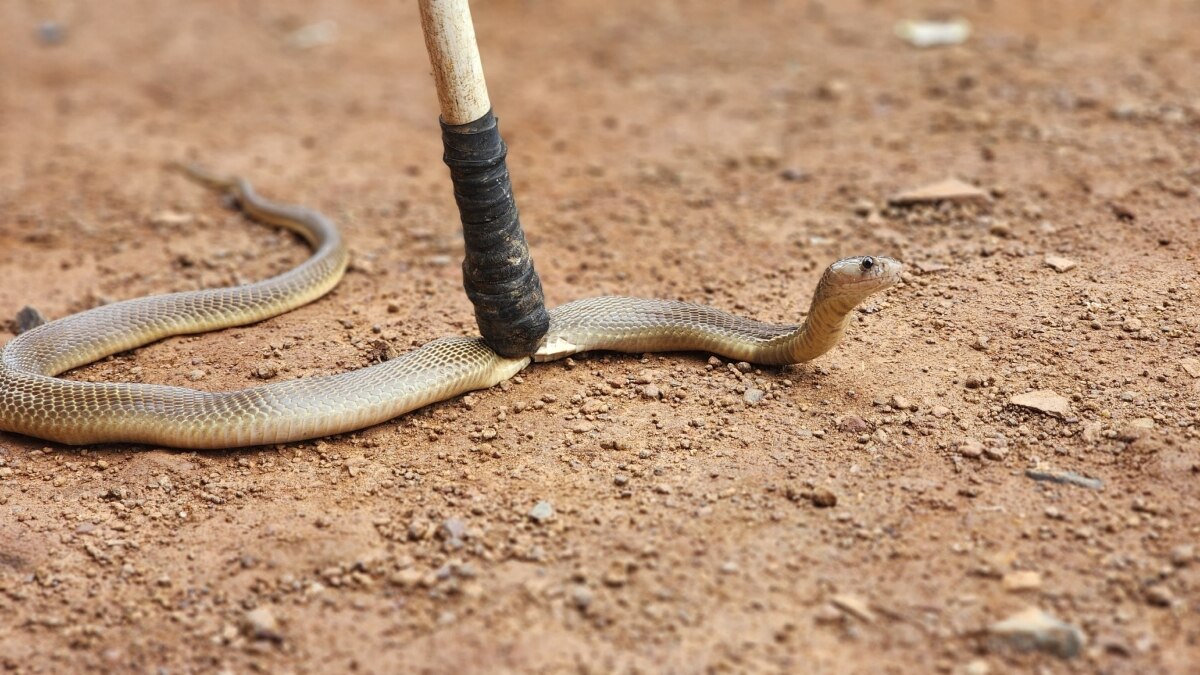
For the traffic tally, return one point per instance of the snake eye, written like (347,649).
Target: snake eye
(868,263)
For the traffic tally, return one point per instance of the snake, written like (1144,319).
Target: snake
(35,401)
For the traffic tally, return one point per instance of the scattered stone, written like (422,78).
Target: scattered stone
(832,90)
(794,175)
(1136,428)
(995,452)
(28,319)
(854,606)
(973,382)
(753,396)
(542,512)
(900,403)
(970,448)
(977,667)
(1190,366)
(949,190)
(1060,264)
(407,578)
(981,343)
(260,624)
(313,35)
(1183,555)
(939,411)
(616,576)
(265,371)
(1044,401)
(1123,211)
(1035,629)
(51,33)
(454,528)
(582,596)
(1021,580)
(853,424)
(1065,478)
(1131,325)
(1159,595)
(196,375)
(172,218)
(924,34)
(651,392)
(823,498)
(729,567)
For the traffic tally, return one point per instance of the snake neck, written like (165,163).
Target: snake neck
(822,329)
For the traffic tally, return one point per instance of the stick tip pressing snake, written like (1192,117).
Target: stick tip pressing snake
(35,402)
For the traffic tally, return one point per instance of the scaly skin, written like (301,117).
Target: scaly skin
(33,401)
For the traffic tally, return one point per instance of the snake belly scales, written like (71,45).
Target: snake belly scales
(35,402)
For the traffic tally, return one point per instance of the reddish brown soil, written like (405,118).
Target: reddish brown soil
(659,149)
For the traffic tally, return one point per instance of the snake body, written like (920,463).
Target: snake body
(35,402)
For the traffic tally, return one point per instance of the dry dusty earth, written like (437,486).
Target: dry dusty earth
(681,150)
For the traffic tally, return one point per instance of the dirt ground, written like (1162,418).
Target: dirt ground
(710,152)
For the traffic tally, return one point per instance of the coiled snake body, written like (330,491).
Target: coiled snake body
(33,401)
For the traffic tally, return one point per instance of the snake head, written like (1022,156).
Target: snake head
(852,280)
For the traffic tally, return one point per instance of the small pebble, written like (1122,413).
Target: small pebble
(542,512)
(1065,477)
(949,190)
(1190,366)
(51,33)
(1159,596)
(260,624)
(265,371)
(753,396)
(996,453)
(1044,401)
(970,448)
(1060,264)
(1021,580)
(582,596)
(977,667)
(854,606)
(1183,555)
(454,528)
(823,498)
(1035,629)
(853,424)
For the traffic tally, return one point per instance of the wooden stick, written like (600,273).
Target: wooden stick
(457,70)
(498,273)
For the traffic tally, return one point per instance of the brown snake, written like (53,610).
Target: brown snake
(35,402)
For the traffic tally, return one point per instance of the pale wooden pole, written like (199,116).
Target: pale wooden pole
(498,273)
(454,56)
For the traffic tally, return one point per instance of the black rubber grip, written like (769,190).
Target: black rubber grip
(498,272)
